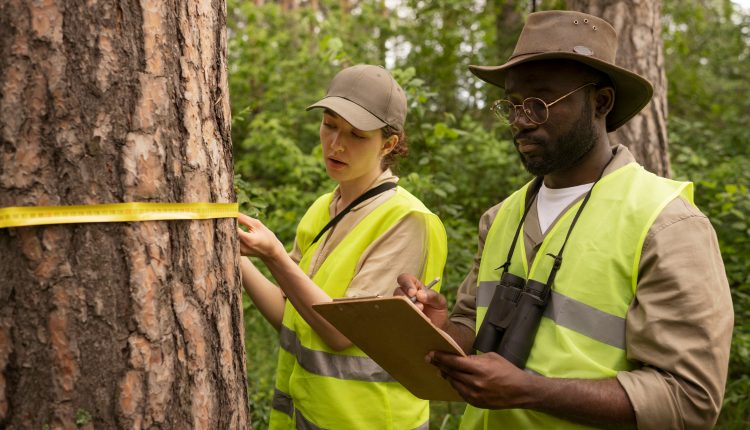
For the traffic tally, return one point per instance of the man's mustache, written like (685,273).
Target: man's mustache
(526,136)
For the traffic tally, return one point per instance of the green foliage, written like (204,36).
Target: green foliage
(83,417)
(707,50)
(262,351)
(458,168)
(461,161)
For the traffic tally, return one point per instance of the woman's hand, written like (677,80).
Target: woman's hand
(432,304)
(258,241)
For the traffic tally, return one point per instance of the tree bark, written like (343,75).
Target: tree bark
(287,5)
(508,25)
(118,325)
(638,24)
(346,7)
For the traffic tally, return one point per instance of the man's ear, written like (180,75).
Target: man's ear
(604,100)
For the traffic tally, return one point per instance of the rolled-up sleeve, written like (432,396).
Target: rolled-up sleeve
(679,326)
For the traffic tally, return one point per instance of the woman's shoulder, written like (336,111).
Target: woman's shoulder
(409,201)
(413,213)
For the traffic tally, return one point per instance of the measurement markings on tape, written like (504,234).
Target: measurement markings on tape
(24,216)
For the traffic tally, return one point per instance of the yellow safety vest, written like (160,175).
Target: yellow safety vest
(582,332)
(317,387)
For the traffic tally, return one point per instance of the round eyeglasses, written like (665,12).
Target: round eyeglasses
(535,109)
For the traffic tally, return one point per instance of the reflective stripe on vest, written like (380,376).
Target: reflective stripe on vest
(346,389)
(582,332)
(570,313)
(282,402)
(303,423)
(339,366)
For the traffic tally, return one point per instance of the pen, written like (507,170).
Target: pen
(426,287)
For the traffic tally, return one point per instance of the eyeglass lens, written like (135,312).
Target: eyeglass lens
(534,108)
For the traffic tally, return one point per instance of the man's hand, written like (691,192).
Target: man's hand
(258,241)
(431,303)
(486,381)
(489,381)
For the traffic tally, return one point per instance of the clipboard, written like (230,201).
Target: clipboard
(397,335)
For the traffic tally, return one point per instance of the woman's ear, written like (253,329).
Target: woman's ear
(389,144)
(605,99)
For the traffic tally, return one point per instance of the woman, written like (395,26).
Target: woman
(381,231)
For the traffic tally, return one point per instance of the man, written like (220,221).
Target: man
(637,325)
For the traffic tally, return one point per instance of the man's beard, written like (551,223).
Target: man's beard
(566,152)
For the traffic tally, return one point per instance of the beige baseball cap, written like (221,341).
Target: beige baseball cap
(367,97)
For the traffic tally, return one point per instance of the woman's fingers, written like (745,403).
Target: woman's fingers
(258,240)
(244,237)
(245,242)
(247,221)
(248,240)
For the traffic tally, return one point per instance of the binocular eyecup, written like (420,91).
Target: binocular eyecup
(512,318)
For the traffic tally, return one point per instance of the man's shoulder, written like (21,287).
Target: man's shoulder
(490,214)
(677,210)
(488,217)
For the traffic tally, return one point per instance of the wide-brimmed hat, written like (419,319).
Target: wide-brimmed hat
(367,97)
(579,37)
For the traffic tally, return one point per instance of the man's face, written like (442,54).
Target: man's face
(568,134)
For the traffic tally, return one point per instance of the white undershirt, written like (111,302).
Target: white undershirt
(550,202)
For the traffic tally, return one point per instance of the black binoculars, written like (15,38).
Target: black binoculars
(512,318)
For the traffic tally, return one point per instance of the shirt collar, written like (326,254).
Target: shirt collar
(623,157)
(386,176)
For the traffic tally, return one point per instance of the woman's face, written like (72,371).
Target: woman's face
(351,154)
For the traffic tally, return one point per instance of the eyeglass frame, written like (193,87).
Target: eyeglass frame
(494,108)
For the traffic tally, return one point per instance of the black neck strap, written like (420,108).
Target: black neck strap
(372,192)
(534,189)
(558,257)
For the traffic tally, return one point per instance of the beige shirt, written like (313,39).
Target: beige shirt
(400,250)
(679,326)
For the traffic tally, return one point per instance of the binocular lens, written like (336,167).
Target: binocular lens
(517,342)
(512,318)
(499,313)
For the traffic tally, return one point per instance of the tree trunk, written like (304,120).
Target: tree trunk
(287,5)
(508,25)
(345,6)
(118,325)
(638,24)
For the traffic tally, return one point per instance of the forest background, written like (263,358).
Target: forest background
(461,160)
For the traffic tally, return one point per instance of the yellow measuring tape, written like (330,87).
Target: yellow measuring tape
(115,212)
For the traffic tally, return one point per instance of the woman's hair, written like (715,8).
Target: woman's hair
(398,151)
